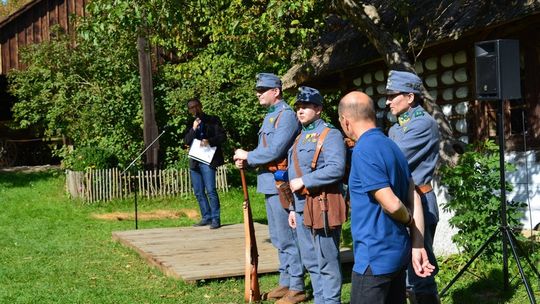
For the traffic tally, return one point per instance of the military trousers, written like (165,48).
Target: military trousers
(320,256)
(283,237)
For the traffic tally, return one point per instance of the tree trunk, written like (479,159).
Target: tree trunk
(366,18)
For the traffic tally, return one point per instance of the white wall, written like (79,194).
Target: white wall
(526,181)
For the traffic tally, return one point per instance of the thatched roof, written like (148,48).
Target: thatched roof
(343,47)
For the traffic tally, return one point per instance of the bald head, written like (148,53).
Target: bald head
(357,106)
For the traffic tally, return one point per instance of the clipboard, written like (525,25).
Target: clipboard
(203,154)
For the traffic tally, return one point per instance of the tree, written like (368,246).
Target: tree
(366,18)
(211,49)
(87,86)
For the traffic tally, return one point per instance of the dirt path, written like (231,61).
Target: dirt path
(152,215)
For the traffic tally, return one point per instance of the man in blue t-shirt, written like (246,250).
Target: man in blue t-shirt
(417,135)
(383,205)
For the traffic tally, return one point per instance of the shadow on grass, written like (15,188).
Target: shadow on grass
(24,179)
(488,289)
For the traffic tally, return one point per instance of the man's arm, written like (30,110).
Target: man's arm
(397,210)
(420,262)
(189,134)
(218,133)
(276,147)
(392,205)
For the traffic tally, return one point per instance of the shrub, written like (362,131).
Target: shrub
(90,158)
(475,198)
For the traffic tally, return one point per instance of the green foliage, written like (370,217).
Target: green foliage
(475,198)
(87,92)
(86,86)
(229,42)
(90,158)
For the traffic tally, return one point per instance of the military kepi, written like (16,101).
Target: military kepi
(267,80)
(403,82)
(309,95)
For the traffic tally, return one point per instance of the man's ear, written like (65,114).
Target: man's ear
(277,92)
(410,99)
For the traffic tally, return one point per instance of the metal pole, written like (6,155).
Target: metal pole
(504,223)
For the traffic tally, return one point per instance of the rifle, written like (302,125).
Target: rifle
(251,286)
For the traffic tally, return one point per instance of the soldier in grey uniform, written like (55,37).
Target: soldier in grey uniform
(417,135)
(277,133)
(319,248)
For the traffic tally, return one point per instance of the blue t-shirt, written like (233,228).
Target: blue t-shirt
(379,241)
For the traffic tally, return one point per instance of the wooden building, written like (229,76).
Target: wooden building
(28,25)
(445,58)
(345,61)
(32,24)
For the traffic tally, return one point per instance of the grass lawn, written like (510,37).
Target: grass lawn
(55,250)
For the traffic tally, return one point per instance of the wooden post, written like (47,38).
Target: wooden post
(150,131)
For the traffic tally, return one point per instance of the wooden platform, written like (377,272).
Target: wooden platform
(197,253)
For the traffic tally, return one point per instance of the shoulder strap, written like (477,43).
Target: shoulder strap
(275,127)
(319,148)
(297,169)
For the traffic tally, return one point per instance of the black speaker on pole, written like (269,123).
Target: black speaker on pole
(497,70)
(497,78)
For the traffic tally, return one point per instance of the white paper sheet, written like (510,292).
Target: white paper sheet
(204,154)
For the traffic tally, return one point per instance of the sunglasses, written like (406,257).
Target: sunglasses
(262,90)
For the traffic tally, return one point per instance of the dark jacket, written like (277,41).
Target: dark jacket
(212,129)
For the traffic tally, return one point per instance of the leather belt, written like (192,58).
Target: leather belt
(423,189)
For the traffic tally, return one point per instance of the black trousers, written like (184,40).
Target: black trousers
(378,289)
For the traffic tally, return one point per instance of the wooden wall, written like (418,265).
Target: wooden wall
(31,24)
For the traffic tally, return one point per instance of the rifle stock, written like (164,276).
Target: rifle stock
(251,286)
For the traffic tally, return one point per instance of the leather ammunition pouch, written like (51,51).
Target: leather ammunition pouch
(330,203)
(286,197)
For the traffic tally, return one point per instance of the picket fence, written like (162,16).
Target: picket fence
(108,184)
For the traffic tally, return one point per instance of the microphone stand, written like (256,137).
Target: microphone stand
(135,187)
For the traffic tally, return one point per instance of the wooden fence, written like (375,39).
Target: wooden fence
(108,184)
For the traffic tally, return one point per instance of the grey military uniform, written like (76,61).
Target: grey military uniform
(417,135)
(319,251)
(278,138)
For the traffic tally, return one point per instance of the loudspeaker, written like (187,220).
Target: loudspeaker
(497,70)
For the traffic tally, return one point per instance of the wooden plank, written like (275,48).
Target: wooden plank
(13,49)
(45,33)
(36,31)
(5,55)
(195,253)
(211,254)
(53,14)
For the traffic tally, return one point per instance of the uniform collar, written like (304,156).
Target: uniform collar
(406,117)
(274,107)
(312,125)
